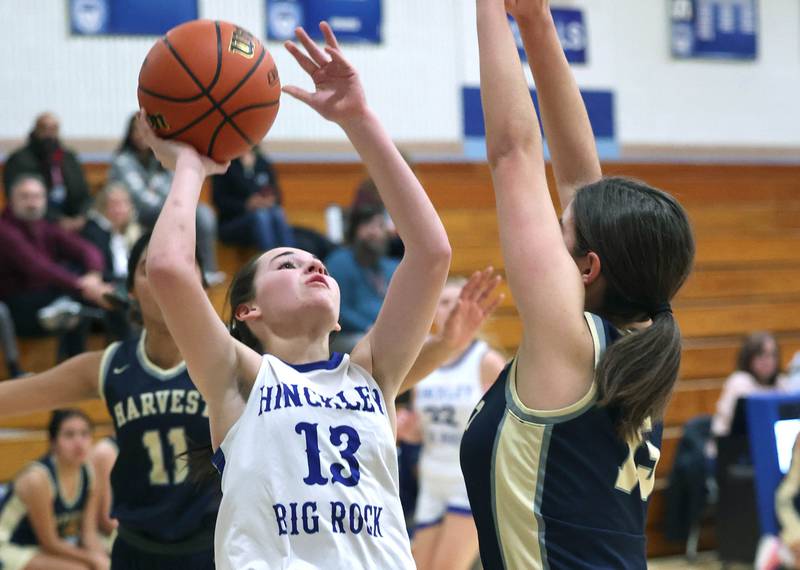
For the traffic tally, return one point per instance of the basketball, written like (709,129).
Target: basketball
(212,85)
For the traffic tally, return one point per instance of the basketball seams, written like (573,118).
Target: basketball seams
(238,112)
(215,105)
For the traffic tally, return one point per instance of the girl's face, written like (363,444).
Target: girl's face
(73,441)
(151,313)
(447,300)
(119,209)
(293,288)
(765,364)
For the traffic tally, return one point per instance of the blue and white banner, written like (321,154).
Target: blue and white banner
(572,32)
(599,105)
(726,29)
(352,20)
(129,17)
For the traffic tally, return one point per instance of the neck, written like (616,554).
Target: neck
(160,347)
(66,468)
(299,350)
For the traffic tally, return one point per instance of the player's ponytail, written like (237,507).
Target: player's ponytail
(645,245)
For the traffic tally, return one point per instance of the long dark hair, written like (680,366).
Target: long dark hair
(58,417)
(753,346)
(646,248)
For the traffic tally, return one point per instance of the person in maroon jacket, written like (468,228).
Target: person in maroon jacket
(40,262)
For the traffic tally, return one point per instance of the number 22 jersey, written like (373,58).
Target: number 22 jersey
(309,473)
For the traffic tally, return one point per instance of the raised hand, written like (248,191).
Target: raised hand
(167,151)
(338,94)
(475,303)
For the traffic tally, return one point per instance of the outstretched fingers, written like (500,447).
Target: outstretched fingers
(302,59)
(312,48)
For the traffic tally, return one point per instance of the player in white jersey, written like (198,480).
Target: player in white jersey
(445,535)
(304,439)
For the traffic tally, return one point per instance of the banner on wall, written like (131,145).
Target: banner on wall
(352,20)
(725,29)
(572,32)
(129,17)
(599,105)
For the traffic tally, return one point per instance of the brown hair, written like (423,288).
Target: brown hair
(646,249)
(752,346)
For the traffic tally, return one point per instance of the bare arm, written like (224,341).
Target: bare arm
(391,346)
(91,515)
(543,277)
(215,360)
(475,304)
(566,122)
(104,455)
(34,489)
(71,381)
(491,366)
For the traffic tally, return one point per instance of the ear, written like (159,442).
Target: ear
(590,268)
(337,328)
(245,312)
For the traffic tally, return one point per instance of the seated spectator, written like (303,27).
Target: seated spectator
(363,272)
(44,155)
(49,515)
(113,229)
(8,340)
(136,167)
(41,262)
(757,370)
(367,198)
(248,199)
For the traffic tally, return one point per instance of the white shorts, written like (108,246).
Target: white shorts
(439,496)
(16,557)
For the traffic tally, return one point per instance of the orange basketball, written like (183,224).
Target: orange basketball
(212,85)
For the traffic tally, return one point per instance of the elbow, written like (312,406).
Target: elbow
(164,269)
(509,147)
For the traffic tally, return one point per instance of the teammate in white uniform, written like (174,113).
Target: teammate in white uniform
(445,535)
(306,439)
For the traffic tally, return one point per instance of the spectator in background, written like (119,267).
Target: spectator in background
(40,261)
(758,369)
(363,271)
(8,341)
(50,515)
(136,167)
(113,229)
(67,191)
(248,199)
(367,198)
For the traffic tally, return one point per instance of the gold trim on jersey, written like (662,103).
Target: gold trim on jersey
(566,413)
(108,354)
(13,512)
(519,458)
(153,369)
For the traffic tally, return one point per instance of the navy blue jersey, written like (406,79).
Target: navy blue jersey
(557,489)
(158,414)
(15,526)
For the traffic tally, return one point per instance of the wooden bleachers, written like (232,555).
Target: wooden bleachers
(747,276)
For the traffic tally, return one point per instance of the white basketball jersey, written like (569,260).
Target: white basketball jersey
(444,401)
(310,474)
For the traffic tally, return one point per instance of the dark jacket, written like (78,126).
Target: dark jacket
(34,159)
(687,489)
(33,256)
(230,191)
